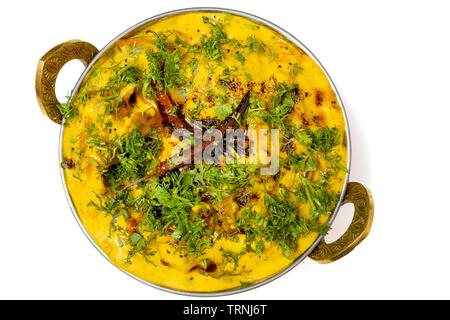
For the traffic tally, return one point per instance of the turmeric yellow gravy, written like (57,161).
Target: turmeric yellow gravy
(253,57)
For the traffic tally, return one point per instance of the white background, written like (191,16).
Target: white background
(390,62)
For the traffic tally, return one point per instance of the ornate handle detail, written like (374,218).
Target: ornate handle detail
(361,197)
(50,65)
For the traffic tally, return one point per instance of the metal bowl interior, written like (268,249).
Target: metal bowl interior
(286,35)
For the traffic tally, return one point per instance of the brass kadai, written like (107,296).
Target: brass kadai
(52,62)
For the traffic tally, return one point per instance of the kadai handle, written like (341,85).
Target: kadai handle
(48,68)
(358,230)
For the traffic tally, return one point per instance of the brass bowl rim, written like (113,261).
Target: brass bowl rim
(289,37)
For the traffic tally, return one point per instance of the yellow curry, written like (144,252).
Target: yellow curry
(203,227)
